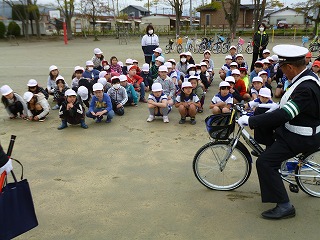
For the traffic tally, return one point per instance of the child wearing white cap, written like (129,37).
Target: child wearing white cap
(223,100)
(100,105)
(90,73)
(156,53)
(188,103)
(59,92)
(263,100)
(168,86)
(146,75)
(257,84)
(240,85)
(225,67)
(78,71)
(158,103)
(34,87)
(154,68)
(83,96)
(118,95)
(131,93)
(38,106)
(71,111)
(235,93)
(198,90)
(13,103)
(97,59)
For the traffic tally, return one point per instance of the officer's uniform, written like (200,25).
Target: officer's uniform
(297,124)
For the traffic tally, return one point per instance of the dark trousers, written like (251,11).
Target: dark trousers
(148,59)
(118,111)
(16,108)
(263,135)
(268,163)
(255,56)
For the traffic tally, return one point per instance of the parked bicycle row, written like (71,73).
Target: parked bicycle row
(216,45)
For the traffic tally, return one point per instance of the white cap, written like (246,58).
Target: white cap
(59,78)
(97,51)
(193,77)
(203,64)
(265,61)
(188,53)
(103,81)
(257,79)
(168,64)
(145,67)
(270,58)
(235,71)
(70,92)
(207,51)
(224,84)
(5,90)
(78,68)
(83,92)
(232,46)
(89,63)
(123,78)
(120,63)
(239,55)
(115,77)
(262,72)
(234,64)
(172,60)
(163,68)
(288,52)
(156,87)
(228,57)
(102,74)
(27,96)
(129,61)
(158,50)
(160,58)
(52,67)
(97,86)
(266,51)
(265,92)
(183,54)
(135,61)
(130,66)
(186,84)
(190,66)
(32,83)
(230,79)
(275,58)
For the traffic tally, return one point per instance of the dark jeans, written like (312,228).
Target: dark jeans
(118,111)
(148,59)
(16,108)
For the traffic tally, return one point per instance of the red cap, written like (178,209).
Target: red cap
(242,69)
(105,61)
(309,55)
(316,63)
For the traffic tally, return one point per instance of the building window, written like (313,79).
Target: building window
(207,19)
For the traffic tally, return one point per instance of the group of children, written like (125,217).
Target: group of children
(105,88)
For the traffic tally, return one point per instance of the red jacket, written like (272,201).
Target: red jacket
(135,80)
(241,87)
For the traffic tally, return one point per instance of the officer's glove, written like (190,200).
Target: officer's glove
(271,106)
(243,121)
(7,167)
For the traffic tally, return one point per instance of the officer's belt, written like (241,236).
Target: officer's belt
(304,131)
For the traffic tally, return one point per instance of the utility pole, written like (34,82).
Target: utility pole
(190,15)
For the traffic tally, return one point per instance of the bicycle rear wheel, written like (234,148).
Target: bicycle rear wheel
(168,48)
(179,48)
(208,169)
(225,48)
(239,48)
(249,49)
(308,175)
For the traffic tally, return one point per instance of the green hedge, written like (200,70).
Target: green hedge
(2,30)
(14,29)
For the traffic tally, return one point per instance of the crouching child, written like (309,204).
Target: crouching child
(71,111)
(118,95)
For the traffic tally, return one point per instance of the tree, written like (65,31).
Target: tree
(311,10)
(259,8)
(19,12)
(67,10)
(274,3)
(231,10)
(178,7)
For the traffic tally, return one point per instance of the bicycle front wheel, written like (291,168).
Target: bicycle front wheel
(308,174)
(249,49)
(239,49)
(179,48)
(168,48)
(209,168)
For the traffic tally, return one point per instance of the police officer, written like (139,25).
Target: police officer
(297,121)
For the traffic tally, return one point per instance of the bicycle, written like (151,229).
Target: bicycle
(217,46)
(239,45)
(225,163)
(174,45)
(189,44)
(314,44)
(226,45)
(249,48)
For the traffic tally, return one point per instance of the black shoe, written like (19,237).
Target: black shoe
(193,121)
(279,213)
(254,153)
(182,121)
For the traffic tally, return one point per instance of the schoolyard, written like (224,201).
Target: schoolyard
(128,179)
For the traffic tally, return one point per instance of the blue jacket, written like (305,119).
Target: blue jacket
(93,74)
(97,106)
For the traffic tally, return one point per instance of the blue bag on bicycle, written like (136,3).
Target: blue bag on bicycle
(17,214)
(220,126)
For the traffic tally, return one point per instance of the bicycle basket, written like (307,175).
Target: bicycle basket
(220,126)
(171,41)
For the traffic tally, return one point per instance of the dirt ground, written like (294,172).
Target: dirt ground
(129,179)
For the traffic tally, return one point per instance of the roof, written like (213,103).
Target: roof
(281,10)
(141,9)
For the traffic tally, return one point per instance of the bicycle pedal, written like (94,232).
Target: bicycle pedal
(294,188)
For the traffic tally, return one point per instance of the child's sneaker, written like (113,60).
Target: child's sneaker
(182,121)
(150,118)
(99,119)
(165,119)
(193,121)
(108,120)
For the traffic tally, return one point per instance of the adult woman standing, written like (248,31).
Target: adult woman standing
(149,42)
(260,42)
